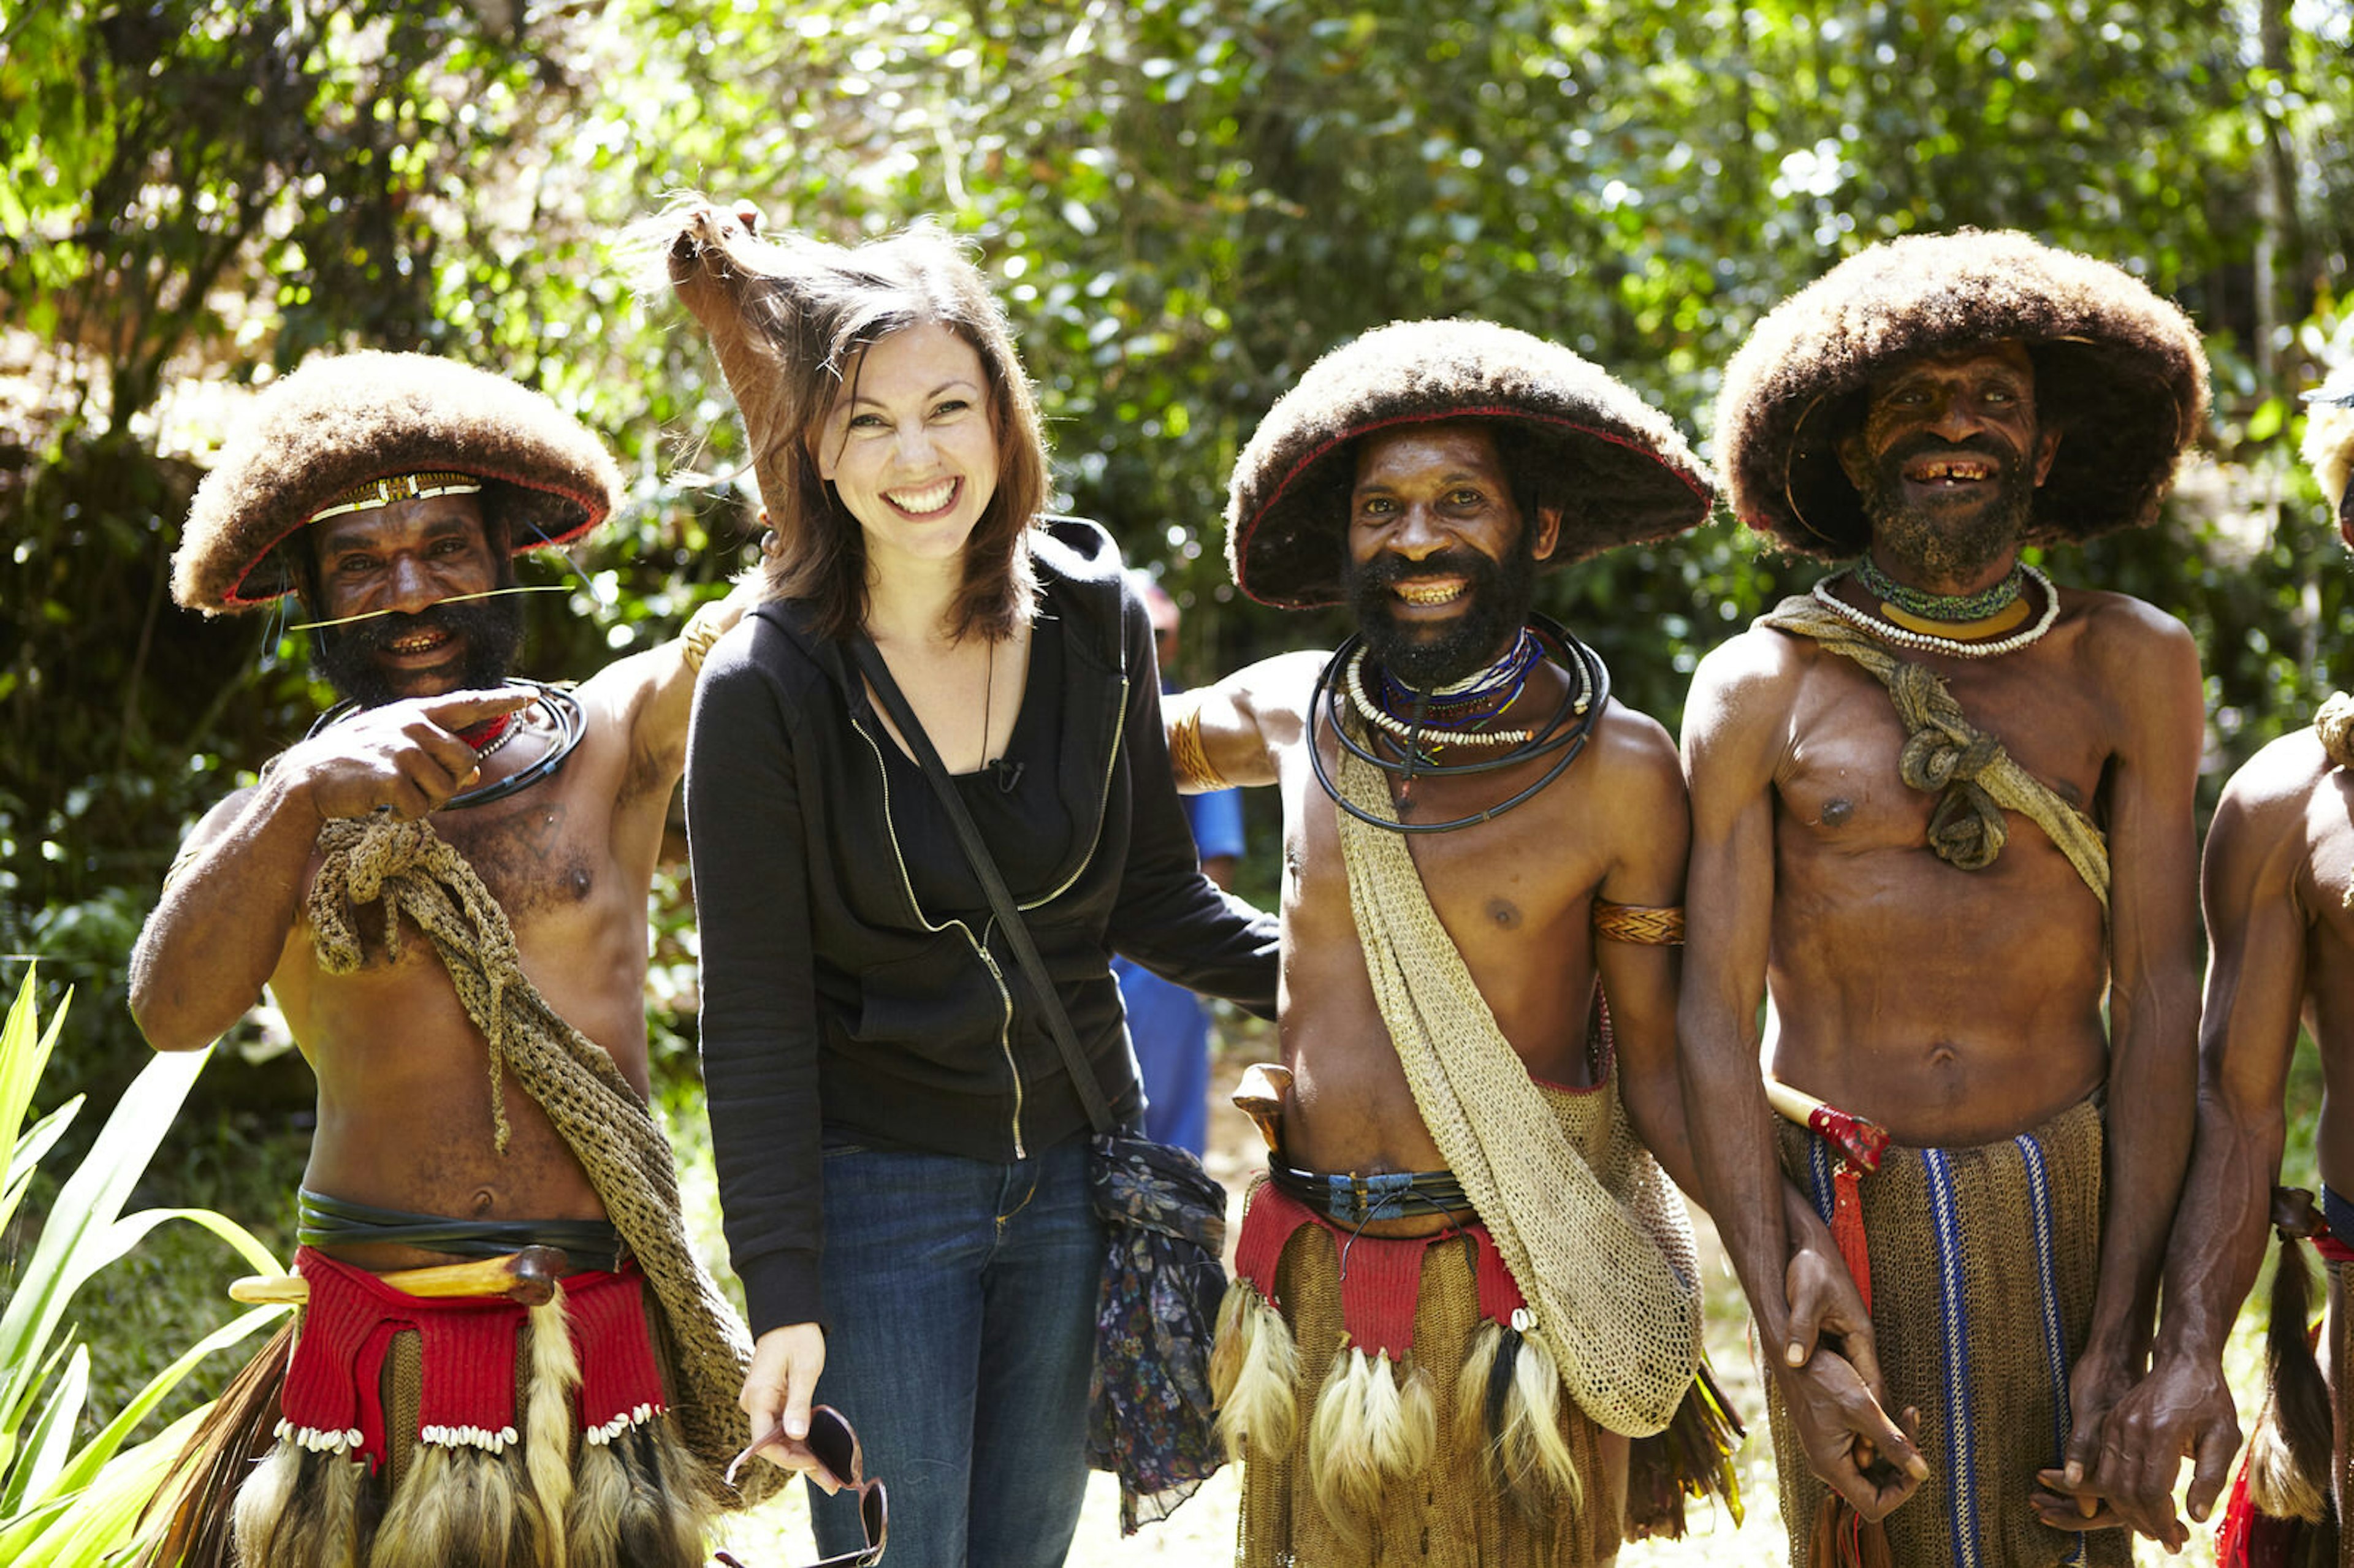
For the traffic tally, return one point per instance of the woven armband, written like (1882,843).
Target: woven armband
(182,860)
(1187,758)
(703,630)
(1653,925)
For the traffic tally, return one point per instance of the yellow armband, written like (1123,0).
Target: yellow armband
(1187,758)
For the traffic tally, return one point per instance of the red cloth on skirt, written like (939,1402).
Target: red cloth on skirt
(335,1377)
(1380,1277)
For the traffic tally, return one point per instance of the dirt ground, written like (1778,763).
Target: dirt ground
(1203,1530)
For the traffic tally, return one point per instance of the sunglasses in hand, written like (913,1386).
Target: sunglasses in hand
(834,1444)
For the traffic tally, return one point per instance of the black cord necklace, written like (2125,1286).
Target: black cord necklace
(562,710)
(1566,731)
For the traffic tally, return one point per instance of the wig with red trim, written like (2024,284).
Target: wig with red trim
(343,421)
(1574,437)
(2118,371)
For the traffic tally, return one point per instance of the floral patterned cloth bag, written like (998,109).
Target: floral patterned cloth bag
(1153,1420)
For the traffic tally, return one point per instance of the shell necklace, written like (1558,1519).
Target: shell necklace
(1926,642)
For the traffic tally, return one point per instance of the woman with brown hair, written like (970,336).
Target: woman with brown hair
(901,1150)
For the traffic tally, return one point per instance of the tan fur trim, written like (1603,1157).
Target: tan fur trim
(660,1523)
(2127,366)
(1614,463)
(2277,1485)
(1525,1458)
(602,1492)
(1536,1460)
(1375,1426)
(455,1505)
(2329,446)
(297,1510)
(261,1503)
(1254,1374)
(549,1419)
(343,422)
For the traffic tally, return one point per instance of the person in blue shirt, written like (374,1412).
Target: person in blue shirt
(1170,1024)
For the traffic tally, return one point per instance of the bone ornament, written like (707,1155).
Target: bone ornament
(528,1276)
(1260,1096)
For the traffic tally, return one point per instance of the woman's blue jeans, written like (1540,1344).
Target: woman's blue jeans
(962,1296)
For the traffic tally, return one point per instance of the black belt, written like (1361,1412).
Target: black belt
(323,1221)
(1348,1199)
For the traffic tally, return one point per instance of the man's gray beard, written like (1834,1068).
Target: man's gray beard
(1920,547)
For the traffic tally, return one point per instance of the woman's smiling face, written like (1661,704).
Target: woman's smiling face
(911,444)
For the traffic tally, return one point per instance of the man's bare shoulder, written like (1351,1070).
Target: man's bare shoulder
(620,704)
(1752,676)
(1277,692)
(1628,788)
(2268,800)
(619,692)
(2122,630)
(1631,752)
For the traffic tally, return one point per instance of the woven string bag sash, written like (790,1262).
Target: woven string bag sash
(1974,777)
(416,876)
(1580,1212)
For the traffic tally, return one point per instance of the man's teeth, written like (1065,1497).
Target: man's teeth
(1960,468)
(1428,593)
(931,498)
(418,644)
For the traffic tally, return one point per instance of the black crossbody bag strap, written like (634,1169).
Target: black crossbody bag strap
(985,866)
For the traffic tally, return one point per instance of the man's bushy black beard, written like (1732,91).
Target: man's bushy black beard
(492,628)
(1500,593)
(1933,546)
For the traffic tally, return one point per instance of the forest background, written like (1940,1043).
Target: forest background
(1183,203)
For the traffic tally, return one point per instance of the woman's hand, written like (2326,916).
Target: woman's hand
(784,1377)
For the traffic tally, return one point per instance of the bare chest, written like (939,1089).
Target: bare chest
(1844,787)
(547,863)
(2328,883)
(1503,887)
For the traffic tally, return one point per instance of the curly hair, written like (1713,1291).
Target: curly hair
(347,419)
(1569,435)
(2120,369)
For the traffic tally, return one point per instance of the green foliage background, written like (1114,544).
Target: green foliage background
(1185,202)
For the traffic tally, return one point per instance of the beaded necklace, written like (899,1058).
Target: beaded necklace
(562,710)
(488,737)
(1458,707)
(1923,642)
(1562,736)
(1418,736)
(1976,606)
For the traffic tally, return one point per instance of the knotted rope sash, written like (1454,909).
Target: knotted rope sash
(412,871)
(1974,778)
(2334,723)
(1597,1240)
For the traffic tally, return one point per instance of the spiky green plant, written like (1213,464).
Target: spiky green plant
(63,1505)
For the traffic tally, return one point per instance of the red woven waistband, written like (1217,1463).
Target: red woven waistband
(1380,1277)
(333,1395)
